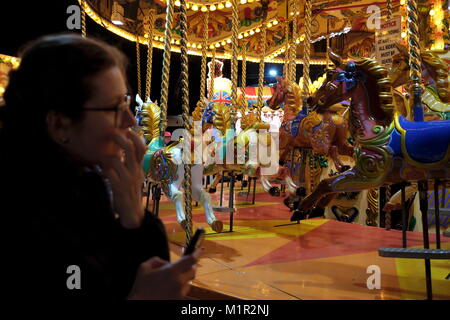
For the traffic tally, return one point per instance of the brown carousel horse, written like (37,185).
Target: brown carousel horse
(388,148)
(325,132)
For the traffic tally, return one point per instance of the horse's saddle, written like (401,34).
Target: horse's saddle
(425,142)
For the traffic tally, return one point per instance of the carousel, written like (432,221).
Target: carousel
(325,186)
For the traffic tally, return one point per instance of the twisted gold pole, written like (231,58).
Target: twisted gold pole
(372,207)
(327,54)
(234,49)
(83,20)
(204,58)
(186,117)
(213,72)
(261,68)
(287,51)
(293,56)
(414,59)
(166,68)
(307,48)
(148,82)
(388,221)
(389,9)
(138,65)
(244,68)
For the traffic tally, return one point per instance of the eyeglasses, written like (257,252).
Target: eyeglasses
(119,109)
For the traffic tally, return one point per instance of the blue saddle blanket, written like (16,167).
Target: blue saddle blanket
(425,141)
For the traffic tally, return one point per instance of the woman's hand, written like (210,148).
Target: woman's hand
(126,177)
(158,279)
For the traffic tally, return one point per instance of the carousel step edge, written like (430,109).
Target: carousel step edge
(412,253)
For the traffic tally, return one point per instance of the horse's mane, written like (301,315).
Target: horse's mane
(380,75)
(440,68)
(294,96)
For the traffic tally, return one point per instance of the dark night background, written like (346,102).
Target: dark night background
(24,21)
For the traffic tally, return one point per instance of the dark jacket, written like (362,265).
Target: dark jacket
(56,215)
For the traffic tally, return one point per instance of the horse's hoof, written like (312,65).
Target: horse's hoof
(217,226)
(298,215)
(301,192)
(274,191)
(244,183)
(344,168)
(212,190)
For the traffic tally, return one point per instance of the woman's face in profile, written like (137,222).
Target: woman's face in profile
(91,139)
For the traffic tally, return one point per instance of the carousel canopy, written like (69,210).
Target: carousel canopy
(130,18)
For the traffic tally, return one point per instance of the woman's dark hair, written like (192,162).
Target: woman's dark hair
(53,75)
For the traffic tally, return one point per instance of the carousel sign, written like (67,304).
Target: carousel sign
(386,37)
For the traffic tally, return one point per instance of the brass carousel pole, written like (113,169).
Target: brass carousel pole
(261,68)
(213,72)
(244,68)
(414,59)
(204,59)
(307,50)
(83,20)
(287,50)
(166,68)
(148,82)
(293,48)
(186,117)
(138,65)
(234,57)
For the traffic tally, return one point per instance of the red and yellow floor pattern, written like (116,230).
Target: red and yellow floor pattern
(316,259)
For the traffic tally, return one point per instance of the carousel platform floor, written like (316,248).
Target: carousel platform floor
(314,260)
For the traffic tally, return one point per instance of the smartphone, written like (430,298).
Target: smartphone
(195,242)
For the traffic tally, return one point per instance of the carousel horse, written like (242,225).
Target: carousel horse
(163,164)
(248,139)
(436,97)
(388,148)
(325,132)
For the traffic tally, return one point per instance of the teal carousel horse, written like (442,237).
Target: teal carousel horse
(163,165)
(388,148)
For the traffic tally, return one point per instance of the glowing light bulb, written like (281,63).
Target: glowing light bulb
(212,8)
(246,34)
(403,34)
(252,32)
(432,12)
(240,36)
(257,30)
(243,1)
(402,2)
(217,45)
(269,25)
(211,46)
(177,3)
(220,6)
(275,22)
(195,7)
(199,46)
(228,4)
(229,41)
(204,9)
